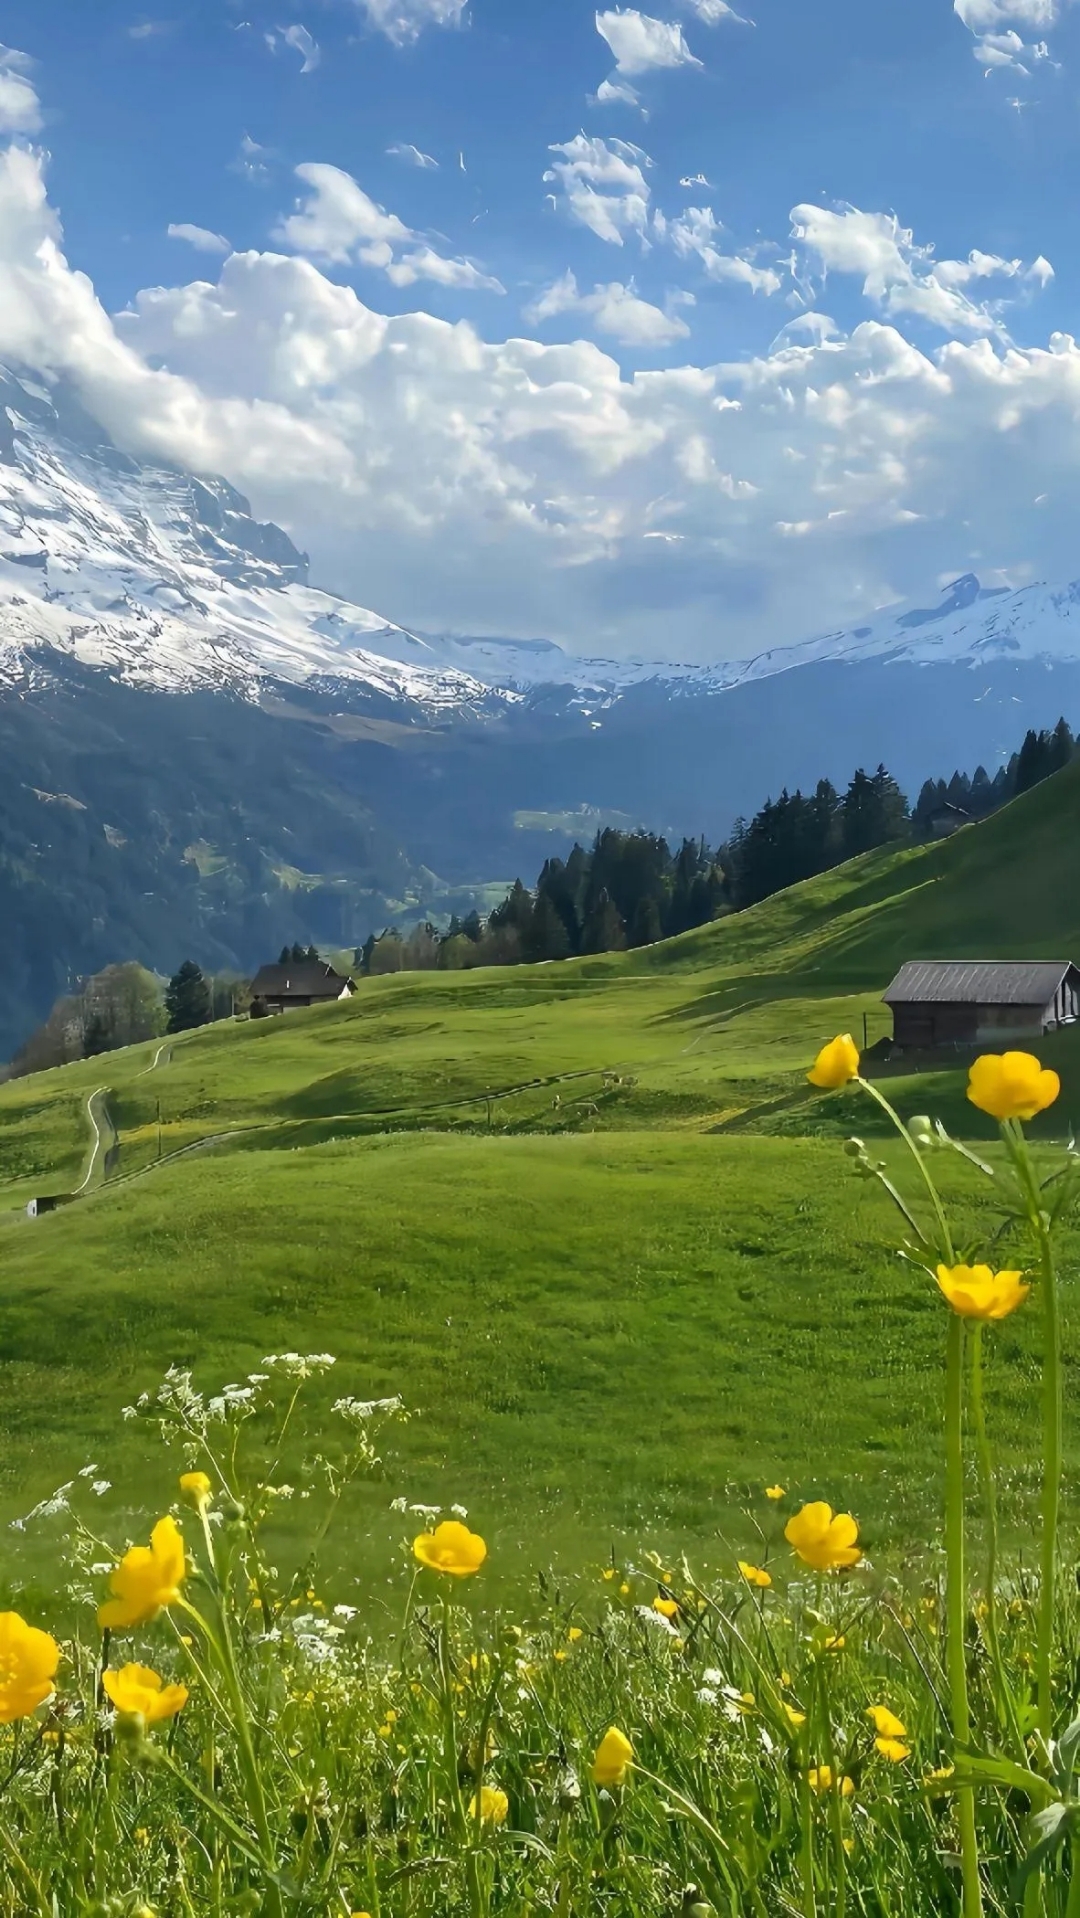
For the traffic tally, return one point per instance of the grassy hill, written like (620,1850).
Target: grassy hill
(527,1200)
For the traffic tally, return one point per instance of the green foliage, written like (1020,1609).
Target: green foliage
(188,1002)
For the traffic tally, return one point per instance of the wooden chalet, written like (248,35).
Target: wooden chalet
(959,1002)
(287,988)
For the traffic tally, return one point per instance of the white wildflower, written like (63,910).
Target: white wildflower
(359,1411)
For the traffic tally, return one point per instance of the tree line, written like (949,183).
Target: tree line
(628,889)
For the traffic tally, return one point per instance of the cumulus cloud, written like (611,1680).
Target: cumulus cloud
(412,156)
(338,222)
(615,310)
(994,24)
(20,108)
(640,43)
(696,232)
(903,278)
(989,16)
(200,237)
(603,186)
(403,21)
(515,486)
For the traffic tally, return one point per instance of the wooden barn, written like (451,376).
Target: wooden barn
(959,1002)
(307,982)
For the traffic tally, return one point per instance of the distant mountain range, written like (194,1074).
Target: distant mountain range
(204,754)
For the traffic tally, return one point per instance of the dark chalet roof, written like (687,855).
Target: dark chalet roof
(979,982)
(309,980)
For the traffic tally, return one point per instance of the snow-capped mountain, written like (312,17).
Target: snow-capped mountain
(166,581)
(202,754)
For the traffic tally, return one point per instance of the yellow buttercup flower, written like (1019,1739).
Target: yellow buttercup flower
(978,1293)
(28,1662)
(824,1540)
(147,1579)
(196,1488)
(755,1575)
(667,1607)
(136,1690)
(493,1806)
(451,1548)
(891,1733)
(774,1491)
(836,1063)
(1011,1085)
(795,1717)
(614,1756)
(821,1780)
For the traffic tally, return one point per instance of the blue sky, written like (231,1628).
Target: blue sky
(781,292)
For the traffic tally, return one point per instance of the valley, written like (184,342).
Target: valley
(593,1197)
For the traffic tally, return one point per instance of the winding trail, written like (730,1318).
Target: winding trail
(156,1061)
(104,1142)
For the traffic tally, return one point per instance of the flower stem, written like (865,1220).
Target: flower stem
(1017,1147)
(1006,1703)
(956,1603)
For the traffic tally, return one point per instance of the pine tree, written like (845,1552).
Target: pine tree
(645,926)
(187,999)
(1032,763)
(604,929)
(547,937)
(1061,746)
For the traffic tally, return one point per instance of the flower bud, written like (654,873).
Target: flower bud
(921,1130)
(854,1148)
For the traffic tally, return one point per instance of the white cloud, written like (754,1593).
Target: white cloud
(426,264)
(20,108)
(514,486)
(200,237)
(989,16)
(615,310)
(610,91)
(338,222)
(641,43)
(994,24)
(148,29)
(251,161)
(404,150)
(403,21)
(713,11)
(302,43)
(901,277)
(603,185)
(695,232)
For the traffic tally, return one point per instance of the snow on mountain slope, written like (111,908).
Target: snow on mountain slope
(166,581)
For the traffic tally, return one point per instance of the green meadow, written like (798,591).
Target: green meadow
(587,1218)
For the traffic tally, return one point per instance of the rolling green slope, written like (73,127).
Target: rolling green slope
(610,1308)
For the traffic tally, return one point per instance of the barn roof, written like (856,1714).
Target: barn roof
(979,982)
(310,979)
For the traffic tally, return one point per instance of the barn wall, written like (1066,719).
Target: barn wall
(1011,1022)
(920,1026)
